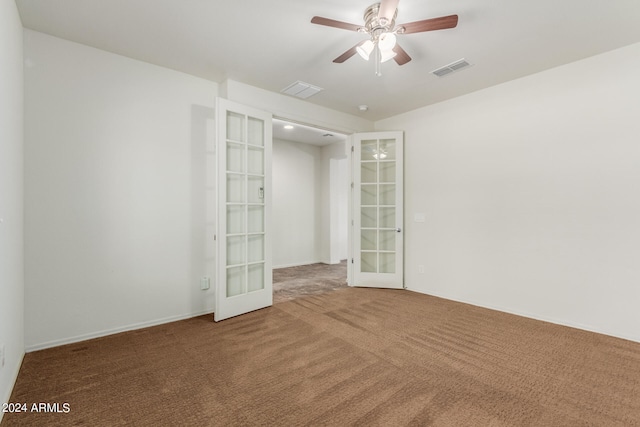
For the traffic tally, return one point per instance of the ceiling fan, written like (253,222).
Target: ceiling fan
(379,24)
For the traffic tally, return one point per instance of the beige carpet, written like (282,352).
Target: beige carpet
(349,357)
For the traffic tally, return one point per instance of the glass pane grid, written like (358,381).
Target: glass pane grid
(255,160)
(255,131)
(377,206)
(236,124)
(245,204)
(256,277)
(236,281)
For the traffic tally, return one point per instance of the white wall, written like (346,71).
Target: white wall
(530,191)
(296,203)
(115,190)
(11,197)
(334,201)
(339,181)
(294,109)
(309,203)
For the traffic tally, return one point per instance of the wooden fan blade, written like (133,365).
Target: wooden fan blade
(348,54)
(387,9)
(401,57)
(432,24)
(333,23)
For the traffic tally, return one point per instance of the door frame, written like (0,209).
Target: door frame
(250,300)
(398,281)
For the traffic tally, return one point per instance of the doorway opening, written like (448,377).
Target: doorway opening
(310,209)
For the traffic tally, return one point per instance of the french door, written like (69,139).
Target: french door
(244,146)
(377,201)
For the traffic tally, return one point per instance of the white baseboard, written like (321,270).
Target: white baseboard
(84,337)
(560,322)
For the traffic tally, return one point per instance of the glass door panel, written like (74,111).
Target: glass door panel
(369,217)
(387,149)
(236,281)
(387,262)
(236,188)
(235,157)
(388,171)
(369,262)
(235,126)
(377,196)
(369,172)
(244,142)
(369,150)
(236,250)
(387,239)
(256,248)
(255,164)
(388,217)
(256,277)
(256,189)
(256,131)
(369,240)
(387,194)
(255,223)
(369,195)
(235,219)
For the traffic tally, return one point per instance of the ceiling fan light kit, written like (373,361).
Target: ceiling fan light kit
(365,49)
(380,25)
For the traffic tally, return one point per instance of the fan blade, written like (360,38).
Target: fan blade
(401,57)
(333,23)
(387,9)
(432,24)
(348,54)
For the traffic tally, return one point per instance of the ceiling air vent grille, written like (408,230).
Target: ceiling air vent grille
(450,68)
(301,89)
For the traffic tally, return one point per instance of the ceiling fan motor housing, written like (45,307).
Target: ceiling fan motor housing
(379,24)
(376,25)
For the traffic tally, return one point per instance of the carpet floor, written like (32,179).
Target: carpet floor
(313,279)
(348,357)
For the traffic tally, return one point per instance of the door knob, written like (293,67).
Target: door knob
(398,230)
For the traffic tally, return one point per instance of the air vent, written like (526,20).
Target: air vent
(301,90)
(450,68)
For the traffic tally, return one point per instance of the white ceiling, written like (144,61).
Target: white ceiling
(271,43)
(303,133)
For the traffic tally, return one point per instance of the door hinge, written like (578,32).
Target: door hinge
(352,149)
(215,237)
(352,185)
(351,260)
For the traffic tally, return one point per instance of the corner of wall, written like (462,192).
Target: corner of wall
(11,197)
